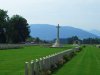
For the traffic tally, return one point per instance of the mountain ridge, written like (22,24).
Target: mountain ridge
(96,32)
(48,32)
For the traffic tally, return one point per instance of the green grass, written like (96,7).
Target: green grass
(12,61)
(87,62)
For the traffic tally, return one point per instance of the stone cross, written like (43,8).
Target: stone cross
(58,32)
(57,42)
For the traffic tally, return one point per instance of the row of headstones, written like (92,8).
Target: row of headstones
(43,66)
(9,46)
(98,46)
(13,46)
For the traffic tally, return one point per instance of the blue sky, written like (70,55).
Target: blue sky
(84,14)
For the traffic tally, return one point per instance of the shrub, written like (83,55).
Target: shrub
(61,61)
(84,46)
(80,48)
(66,58)
(53,67)
(72,54)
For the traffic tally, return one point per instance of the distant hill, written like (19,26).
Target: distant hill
(48,32)
(96,32)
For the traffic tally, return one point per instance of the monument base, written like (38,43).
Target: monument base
(76,45)
(56,44)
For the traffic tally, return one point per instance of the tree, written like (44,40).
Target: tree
(72,39)
(19,29)
(14,29)
(37,40)
(91,41)
(3,25)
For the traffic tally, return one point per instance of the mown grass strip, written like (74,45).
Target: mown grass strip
(87,62)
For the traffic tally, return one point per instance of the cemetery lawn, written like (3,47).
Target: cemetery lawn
(87,62)
(12,61)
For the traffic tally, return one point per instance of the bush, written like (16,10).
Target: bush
(80,48)
(61,61)
(66,58)
(53,67)
(84,46)
(48,72)
(72,54)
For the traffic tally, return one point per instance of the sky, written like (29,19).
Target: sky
(84,14)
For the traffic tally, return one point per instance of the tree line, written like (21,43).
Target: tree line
(13,29)
(72,39)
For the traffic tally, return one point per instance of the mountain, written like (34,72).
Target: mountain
(48,32)
(96,32)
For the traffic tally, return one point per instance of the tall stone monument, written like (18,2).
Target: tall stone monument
(57,42)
